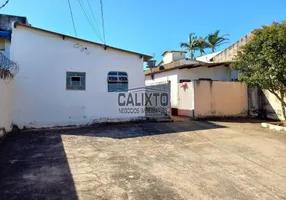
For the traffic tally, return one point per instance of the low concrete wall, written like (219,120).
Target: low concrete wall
(264,104)
(6,105)
(220,99)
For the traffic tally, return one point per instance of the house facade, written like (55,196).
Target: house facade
(64,80)
(176,68)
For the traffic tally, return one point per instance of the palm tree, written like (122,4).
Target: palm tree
(191,45)
(201,45)
(214,40)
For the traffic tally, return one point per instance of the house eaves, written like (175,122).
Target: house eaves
(144,56)
(173,65)
(183,65)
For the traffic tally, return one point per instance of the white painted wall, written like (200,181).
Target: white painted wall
(167,58)
(6,105)
(221,73)
(272,106)
(41,98)
(178,55)
(172,77)
(173,56)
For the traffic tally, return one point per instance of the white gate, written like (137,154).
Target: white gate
(186,99)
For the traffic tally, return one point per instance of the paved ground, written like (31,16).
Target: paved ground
(181,160)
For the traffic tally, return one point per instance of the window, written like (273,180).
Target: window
(75,81)
(117,82)
(205,79)
(2,44)
(184,80)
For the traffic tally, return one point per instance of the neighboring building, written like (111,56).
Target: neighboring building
(172,55)
(64,80)
(5,31)
(7,20)
(228,54)
(176,68)
(208,58)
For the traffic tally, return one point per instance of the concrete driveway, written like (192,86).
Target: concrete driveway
(180,160)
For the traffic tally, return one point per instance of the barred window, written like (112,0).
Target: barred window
(75,80)
(117,82)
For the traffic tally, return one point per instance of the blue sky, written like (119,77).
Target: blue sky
(151,26)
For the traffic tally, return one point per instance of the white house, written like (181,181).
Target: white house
(63,80)
(176,68)
(7,84)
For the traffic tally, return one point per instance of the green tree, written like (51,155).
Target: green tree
(190,45)
(214,40)
(262,61)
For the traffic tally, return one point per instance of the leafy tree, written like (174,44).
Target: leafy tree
(214,40)
(190,45)
(262,61)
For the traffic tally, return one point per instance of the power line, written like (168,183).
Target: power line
(89,21)
(72,18)
(102,20)
(94,18)
(7,1)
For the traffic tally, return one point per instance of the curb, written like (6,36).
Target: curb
(273,127)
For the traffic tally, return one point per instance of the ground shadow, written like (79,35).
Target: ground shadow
(242,120)
(34,166)
(123,131)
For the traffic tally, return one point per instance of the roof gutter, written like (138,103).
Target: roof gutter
(144,56)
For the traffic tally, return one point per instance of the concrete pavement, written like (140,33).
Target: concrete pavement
(180,160)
